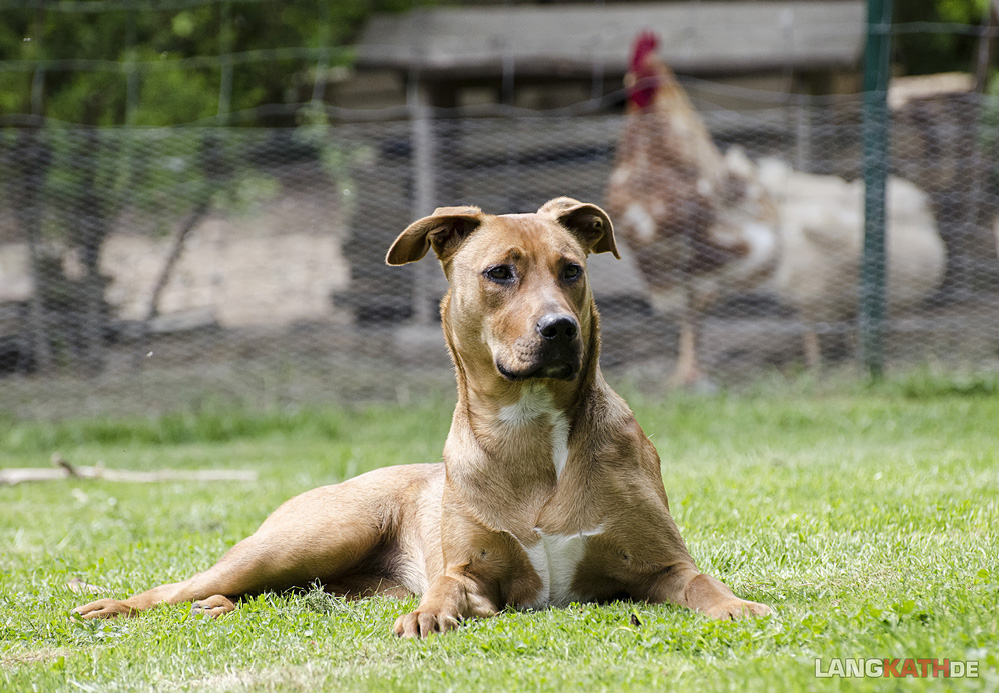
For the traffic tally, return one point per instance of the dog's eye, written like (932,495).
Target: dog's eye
(499,273)
(572,272)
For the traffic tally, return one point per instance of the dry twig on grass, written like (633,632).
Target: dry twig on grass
(64,470)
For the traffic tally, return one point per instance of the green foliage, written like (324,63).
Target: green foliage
(208,425)
(171,96)
(925,384)
(866,518)
(178,55)
(930,51)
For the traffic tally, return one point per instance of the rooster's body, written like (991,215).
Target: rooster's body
(702,224)
(698,222)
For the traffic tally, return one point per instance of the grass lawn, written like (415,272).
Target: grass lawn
(867,517)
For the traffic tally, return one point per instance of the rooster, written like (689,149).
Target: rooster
(702,224)
(699,222)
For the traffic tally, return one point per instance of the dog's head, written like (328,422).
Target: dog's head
(520,304)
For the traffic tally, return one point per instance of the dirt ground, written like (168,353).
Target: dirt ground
(274,267)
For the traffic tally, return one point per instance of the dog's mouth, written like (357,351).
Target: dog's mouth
(532,358)
(554,371)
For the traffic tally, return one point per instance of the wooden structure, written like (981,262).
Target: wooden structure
(434,63)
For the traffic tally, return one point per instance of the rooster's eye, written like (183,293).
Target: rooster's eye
(572,272)
(499,273)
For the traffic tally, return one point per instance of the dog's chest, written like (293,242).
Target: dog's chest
(555,559)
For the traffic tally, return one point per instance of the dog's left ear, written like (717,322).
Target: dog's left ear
(587,222)
(444,231)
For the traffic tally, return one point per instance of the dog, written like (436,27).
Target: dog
(548,493)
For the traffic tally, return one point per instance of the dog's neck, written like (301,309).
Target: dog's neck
(488,402)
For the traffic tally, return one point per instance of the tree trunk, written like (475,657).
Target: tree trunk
(94,225)
(25,190)
(193,219)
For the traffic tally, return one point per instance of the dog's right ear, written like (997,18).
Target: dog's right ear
(444,231)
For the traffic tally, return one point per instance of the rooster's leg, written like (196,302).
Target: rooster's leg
(688,371)
(813,350)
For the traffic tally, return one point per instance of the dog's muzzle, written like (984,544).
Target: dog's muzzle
(554,351)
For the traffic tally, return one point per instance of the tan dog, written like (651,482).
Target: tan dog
(549,491)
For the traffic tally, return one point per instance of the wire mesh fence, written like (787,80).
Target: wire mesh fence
(147,269)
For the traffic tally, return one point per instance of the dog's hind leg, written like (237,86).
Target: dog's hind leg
(327,534)
(260,562)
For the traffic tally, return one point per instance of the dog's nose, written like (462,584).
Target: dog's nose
(558,326)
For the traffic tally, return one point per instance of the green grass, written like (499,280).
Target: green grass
(868,518)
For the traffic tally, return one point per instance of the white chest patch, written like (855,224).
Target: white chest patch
(555,559)
(534,403)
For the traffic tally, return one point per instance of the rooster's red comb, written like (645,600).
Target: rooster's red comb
(646,42)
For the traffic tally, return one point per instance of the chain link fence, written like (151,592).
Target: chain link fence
(143,270)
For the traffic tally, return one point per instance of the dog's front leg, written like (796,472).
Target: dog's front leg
(678,581)
(684,585)
(483,569)
(451,598)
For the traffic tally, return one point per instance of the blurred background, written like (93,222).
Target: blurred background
(196,196)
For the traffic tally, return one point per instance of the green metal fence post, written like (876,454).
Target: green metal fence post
(323,61)
(226,39)
(875,137)
(131,74)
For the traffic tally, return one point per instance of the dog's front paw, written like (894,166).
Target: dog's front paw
(213,606)
(421,623)
(734,609)
(104,608)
